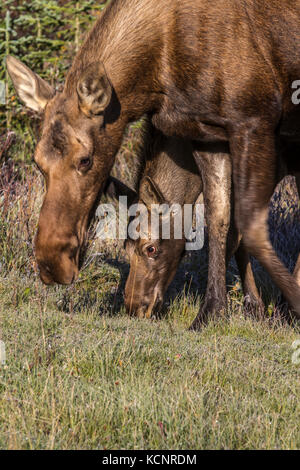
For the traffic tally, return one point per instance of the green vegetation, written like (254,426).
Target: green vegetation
(45,34)
(79,372)
(91,379)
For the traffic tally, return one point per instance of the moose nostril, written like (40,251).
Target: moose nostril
(45,273)
(47,269)
(44,267)
(133,306)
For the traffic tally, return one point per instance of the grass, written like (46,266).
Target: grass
(91,379)
(81,374)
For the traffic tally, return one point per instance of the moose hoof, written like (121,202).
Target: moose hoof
(209,310)
(254,306)
(198,323)
(284,311)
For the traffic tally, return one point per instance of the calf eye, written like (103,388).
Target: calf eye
(84,163)
(151,250)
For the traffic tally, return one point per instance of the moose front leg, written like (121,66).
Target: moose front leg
(254,169)
(215,169)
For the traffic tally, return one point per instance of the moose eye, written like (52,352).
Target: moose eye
(151,250)
(84,163)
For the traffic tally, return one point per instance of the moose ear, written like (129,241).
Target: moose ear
(94,90)
(115,188)
(31,89)
(150,193)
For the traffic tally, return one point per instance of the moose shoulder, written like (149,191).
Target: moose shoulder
(202,70)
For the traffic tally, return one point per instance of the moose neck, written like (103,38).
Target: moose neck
(127,39)
(171,165)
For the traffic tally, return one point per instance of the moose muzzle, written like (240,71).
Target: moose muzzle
(57,256)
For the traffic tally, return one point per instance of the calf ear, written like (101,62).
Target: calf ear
(115,188)
(94,90)
(150,193)
(31,89)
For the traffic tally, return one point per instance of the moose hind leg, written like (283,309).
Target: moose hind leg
(235,246)
(252,300)
(215,169)
(254,169)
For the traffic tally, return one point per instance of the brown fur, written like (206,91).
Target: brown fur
(171,176)
(206,71)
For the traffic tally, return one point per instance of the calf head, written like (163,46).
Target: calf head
(75,155)
(153,260)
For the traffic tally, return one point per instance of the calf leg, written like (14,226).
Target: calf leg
(235,246)
(254,169)
(215,169)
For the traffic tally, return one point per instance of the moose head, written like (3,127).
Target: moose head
(75,154)
(153,258)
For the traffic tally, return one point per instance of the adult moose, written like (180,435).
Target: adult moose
(208,71)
